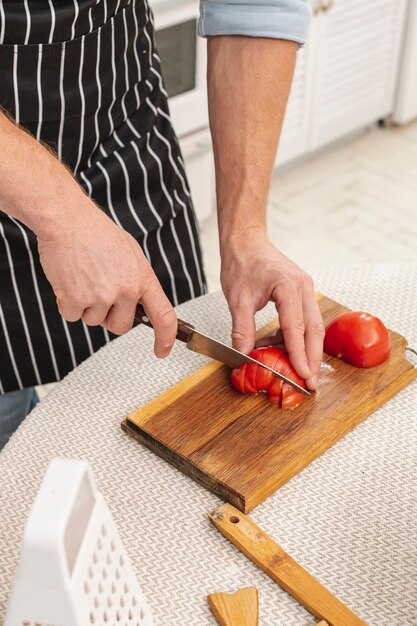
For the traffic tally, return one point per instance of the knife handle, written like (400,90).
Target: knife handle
(184,331)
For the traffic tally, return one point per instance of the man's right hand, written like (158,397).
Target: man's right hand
(99,273)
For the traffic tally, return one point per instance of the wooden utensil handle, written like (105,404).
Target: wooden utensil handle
(272,559)
(184,332)
(236,609)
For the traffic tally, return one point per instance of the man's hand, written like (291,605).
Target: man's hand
(253,273)
(99,273)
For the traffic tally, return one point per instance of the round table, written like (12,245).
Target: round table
(349,518)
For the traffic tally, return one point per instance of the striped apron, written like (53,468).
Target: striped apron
(83,76)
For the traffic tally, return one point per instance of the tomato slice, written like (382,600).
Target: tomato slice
(240,379)
(275,391)
(291,397)
(358,338)
(259,377)
(252,378)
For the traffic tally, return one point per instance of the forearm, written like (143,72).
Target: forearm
(33,181)
(248,81)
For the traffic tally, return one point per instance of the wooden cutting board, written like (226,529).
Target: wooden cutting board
(244,448)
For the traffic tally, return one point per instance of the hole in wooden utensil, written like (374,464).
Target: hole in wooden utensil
(234,519)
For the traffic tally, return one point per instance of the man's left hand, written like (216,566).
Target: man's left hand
(254,273)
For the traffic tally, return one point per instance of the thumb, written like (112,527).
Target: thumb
(243,325)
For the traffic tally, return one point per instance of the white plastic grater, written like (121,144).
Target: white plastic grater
(73,569)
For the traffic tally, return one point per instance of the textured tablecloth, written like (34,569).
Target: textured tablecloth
(349,518)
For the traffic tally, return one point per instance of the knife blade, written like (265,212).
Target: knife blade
(206,345)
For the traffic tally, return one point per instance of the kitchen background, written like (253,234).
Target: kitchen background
(345,185)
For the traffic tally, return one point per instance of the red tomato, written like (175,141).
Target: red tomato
(251,378)
(357,338)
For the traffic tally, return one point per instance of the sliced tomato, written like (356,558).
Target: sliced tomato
(292,397)
(240,380)
(260,377)
(275,391)
(358,338)
(252,378)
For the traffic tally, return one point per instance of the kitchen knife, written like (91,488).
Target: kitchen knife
(203,344)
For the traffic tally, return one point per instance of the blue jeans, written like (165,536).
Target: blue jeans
(14,406)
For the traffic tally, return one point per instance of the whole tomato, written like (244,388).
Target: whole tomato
(358,338)
(252,378)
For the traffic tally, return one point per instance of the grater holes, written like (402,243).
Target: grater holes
(96,602)
(112,545)
(100,586)
(105,572)
(99,543)
(90,572)
(118,616)
(108,559)
(134,601)
(92,618)
(105,616)
(86,587)
(113,587)
(142,614)
(122,601)
(103,530)
(109,602)
(117,573)
(126,588)
(121,560)
(95,557)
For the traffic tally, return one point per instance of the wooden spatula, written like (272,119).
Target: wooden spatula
(235,609)
(275,562)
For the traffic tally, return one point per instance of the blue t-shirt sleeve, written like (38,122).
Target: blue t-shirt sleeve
(280,19)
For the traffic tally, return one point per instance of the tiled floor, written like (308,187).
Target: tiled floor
(354,203)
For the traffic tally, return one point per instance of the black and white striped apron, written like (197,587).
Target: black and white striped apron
(83,76)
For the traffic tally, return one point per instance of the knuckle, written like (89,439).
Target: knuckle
(79,301)
(129,292)
(318,328)
(298,281)
(299,325)
(294,328)
(104,298)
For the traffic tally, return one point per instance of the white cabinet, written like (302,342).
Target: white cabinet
(198,156)
(294,133)
(405,108)
(345,75)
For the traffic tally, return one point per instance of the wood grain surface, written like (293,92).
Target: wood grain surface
(276,563)
(244,448)
(235,609)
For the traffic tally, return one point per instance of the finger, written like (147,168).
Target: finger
(69,309)
(290,310)
(162,316)
(95,315)
(243,324)
(314,335)
(120,317)
(272,340)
